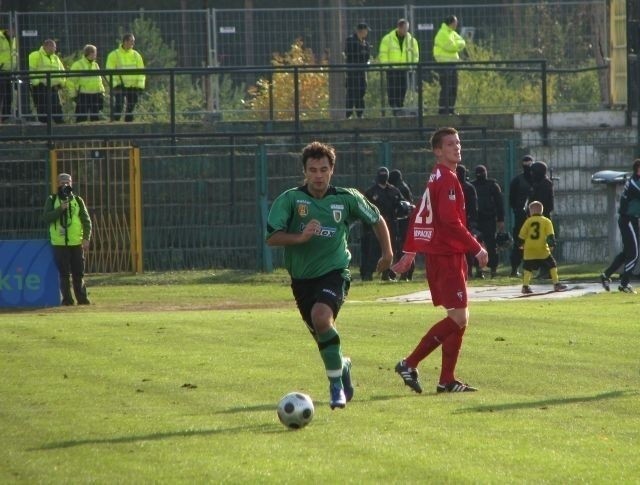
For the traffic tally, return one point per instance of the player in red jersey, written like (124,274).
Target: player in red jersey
(438,229)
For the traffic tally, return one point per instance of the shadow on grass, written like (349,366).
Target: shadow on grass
(316,403)
(545,403)
(265,428)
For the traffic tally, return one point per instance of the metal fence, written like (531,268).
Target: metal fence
(565,32)
(203,203)
(250,37)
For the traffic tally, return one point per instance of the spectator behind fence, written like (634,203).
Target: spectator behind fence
(446,47)
(46,59)
(8,63)
(490,215)
(125,87)
(88,91)
(357,51)
(387,199)
(471,211)
(519,193)
(398,47)
(403,215)
(70,233)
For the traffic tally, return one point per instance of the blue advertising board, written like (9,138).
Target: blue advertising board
(28,274)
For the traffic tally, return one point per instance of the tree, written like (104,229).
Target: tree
(313,87)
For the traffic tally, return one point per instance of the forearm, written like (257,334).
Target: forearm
(382,234)
(282,238)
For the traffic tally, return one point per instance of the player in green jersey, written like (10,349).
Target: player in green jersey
(312,223)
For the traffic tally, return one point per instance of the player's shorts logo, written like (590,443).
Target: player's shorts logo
(337,215)
(303,210)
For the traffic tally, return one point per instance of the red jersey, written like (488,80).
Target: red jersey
(438,226)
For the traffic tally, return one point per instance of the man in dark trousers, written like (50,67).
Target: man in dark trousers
(490,214)
(399,49)
(542,191)
(70,233)
(395,179)
(387,199)
(519,193)
(628,216)
(357,52)
(471,211)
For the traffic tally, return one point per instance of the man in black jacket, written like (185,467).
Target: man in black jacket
(542,187)
(387,199)
(403,216)
(357,52)
(519,193)
(490,214)
(471,211)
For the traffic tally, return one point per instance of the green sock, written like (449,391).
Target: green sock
(329,346)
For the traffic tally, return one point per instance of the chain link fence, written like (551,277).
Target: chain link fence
(246,40)
(203,203)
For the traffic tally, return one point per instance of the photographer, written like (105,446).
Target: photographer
(70,232)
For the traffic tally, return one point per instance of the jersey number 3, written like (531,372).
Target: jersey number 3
(535,230)
(425,207)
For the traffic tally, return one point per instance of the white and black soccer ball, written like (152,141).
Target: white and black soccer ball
(295,410)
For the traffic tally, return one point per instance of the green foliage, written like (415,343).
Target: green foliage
(231,96)
(313,88)
(577,91)
(497,91)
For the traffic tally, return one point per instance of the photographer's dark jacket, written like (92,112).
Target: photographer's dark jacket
(70,228)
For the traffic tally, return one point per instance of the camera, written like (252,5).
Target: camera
(65,192)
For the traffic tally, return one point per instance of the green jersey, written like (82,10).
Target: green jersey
(327,250)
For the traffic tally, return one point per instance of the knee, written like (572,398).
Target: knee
(321,317)
(460,316)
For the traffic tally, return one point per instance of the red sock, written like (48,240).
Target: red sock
(432,339)
(450,352)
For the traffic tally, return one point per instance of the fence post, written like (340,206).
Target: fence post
(263,254)
(545,123)
(420,95)
(271,118)
(509,173)
(296,102)
(384,154)
(172,105)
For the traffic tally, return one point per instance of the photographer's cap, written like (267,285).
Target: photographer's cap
(64,178)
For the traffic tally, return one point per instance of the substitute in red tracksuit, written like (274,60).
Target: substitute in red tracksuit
(438,229)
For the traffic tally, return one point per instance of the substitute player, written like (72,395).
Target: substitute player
(537,239)
(438,229)
(312,223)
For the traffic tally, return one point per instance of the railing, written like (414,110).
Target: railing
(535,75)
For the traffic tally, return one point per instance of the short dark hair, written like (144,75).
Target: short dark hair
(450,19)
(317,150)
(636,165)
(439,134)
(128,36)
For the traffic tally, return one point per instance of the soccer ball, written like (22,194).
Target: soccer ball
(295,410)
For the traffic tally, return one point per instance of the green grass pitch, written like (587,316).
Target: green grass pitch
(175,378)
